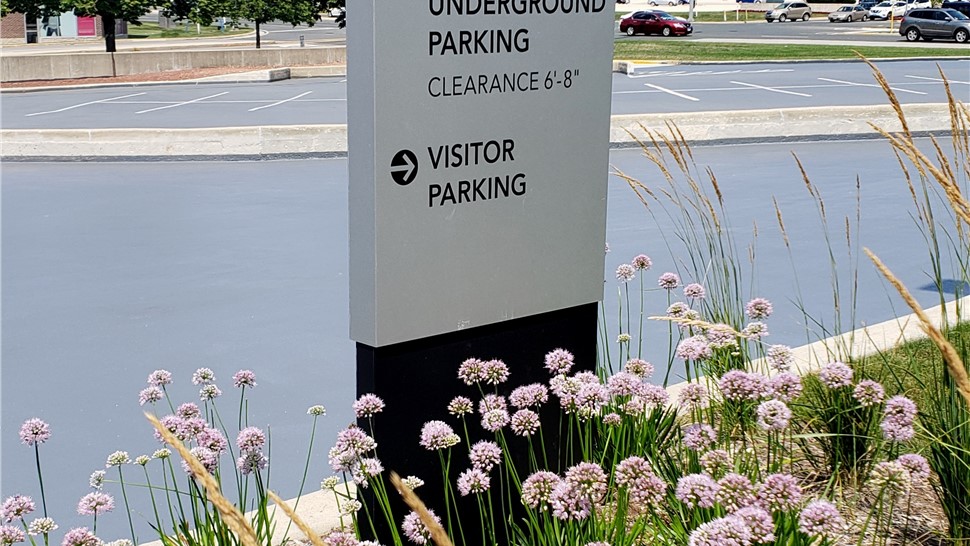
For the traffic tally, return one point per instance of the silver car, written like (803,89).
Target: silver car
(789,11)
(935,23)
(848,14)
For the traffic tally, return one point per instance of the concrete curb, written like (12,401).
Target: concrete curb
(316,140)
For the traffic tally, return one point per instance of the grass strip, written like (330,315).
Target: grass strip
(152,30)
(671,49)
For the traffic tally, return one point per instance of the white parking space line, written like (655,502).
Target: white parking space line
(856,84)
(938,80)
(279,102)
(772,89)
(200,99)
(657,73)
(672,92)
(83,104)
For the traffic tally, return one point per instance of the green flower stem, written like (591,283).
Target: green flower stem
(306,469)
(40,478)
(124,495)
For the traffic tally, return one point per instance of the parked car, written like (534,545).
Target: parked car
(867,4)
(622,1)
(750,1)
(848,14)
(914,4)
(668,2)
(883,10)
(935,23)
(963,6)
(335,12)
(655,22)
(789,11)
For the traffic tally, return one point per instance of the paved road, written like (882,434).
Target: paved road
(683,88)
(111,270)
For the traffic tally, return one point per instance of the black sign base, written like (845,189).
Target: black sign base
(418,378)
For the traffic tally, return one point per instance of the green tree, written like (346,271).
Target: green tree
(110,12)
(202,12)
(295,12)
(32,9)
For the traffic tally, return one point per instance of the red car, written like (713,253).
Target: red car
(654,22)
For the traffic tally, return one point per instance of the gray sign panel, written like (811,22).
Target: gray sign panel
(478,134)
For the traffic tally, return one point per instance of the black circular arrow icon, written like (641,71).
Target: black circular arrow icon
(404,167)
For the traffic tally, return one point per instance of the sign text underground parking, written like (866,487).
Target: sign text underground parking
(478,133)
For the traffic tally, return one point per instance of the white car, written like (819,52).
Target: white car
(335,12)
(883,10)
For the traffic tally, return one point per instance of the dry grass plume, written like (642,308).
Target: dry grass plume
(438,534)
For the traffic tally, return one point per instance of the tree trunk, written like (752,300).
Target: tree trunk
(108,25)
(257,34)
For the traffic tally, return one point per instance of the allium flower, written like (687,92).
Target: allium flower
(208,458)
(668,281)
(350,507)
(916,465)
(773,415)
(758,308)
(150,395)
(213,440)
(737,385)
(460,405)
(117,458)
(624,384)
(251,461)
(438,435)
(339,537)
(890,477)
(80,536)
(16,507)
(612,420)
(119,542)
(188,410)
(624,338)
(244,378)
(34,431)
(528,396)
(759,522)
(537,489)
(354,441)
(641,262)
(694,348)
(251,439)
(625,273)
(598,543)
(473,481)
(694,291)
(755,330)
(835,375)
(484,455)
(316,411)
(715,462)
(203,376)
(696,490)
(726,531)
(163,453)
(785,387)
(10,535)
(588,480)
(160,378)
(209,392)
(639,367)
(366,469)
(412,482)
(95,503)
(822,519)
(41,526)
(779,492)
(496,372)
(896,432)
(868,393)
(568,504)
(471,371)
(415,529)
(721,336)
(699,437)
(734,492)
(190,428)
(96,480)
(780,357)
(492,402)
(494,420)
(559,361)
(631,469)
(368,405)
(693,396)
(142,460)
(677,310)
(645,489)
(524,422)
(900,409)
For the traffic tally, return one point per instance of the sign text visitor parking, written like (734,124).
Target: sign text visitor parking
(478,143)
